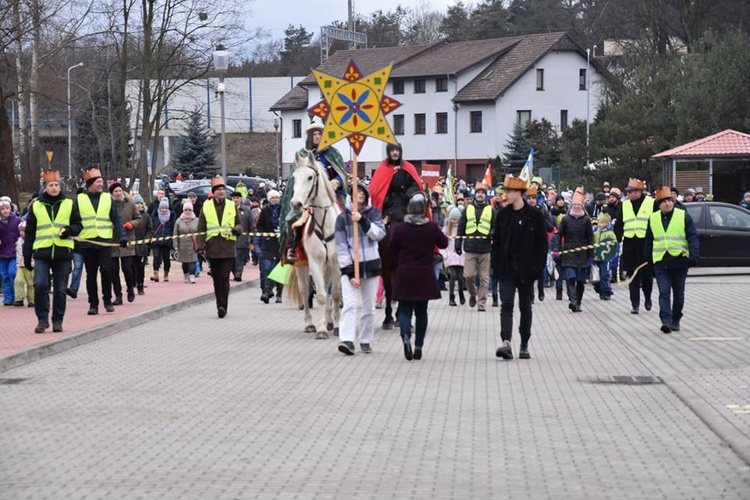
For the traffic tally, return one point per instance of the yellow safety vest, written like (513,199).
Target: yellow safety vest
(635,225)
(48,231)
(96,224)
(672,240)
(212,220)
(485,220)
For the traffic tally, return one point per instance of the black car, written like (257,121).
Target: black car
(724,233)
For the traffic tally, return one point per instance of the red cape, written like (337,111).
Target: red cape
(381,181)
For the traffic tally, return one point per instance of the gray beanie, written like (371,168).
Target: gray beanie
(455,213)
(138,199)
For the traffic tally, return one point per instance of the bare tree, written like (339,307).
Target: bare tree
(422,24)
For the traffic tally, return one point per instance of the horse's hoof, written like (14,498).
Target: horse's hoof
(301,307)
(322,336)
(336,331)
(329,326)
(310,329)
(387,325)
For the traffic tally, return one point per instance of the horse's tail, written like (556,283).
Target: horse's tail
(291,289)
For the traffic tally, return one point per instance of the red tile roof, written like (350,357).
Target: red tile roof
(726,143)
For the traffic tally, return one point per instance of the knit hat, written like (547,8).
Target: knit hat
(600,196)
(4,203)
(455,213)
(138,199)
(186,206)
(114,185)
(164,203)
(273,194)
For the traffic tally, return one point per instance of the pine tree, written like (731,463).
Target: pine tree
(195,151)
(518,148)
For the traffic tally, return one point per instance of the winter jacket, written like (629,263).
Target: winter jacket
(8,236)
(371,231)
(575,232)
(450,257)
(413,247)
(142,232)
(245,219)
(270,248)
(128,213)
(186,246)
(528,263)
(52,204)
(162,229)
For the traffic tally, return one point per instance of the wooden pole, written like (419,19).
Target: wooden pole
(355,208)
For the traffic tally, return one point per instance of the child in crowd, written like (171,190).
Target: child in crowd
(454,263)
(24,284)
(603,254)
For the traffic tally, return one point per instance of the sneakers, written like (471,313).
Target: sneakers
(93,310)
(222,312)
(504,351)
(117,302)
(185,278)
(131,295)
(472,300)
(191,279)
(347,348)
(57,326)
(481,308)
(110,308)
(278,299)
(18,303)
(366,348)
(41,326)
(675,327)
(524,353)
(452,303)
(634,310)
(558,295)
(666,329)
(71,293)
(140,290)
(647,305)
(417,353)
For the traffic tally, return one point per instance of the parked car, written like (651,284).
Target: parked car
(200,191)
(724,233)
(251,183)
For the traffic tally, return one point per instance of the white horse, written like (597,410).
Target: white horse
(314,199)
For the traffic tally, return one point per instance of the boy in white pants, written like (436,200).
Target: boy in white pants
(371,230)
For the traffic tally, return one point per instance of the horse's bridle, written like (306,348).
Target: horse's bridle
(318,228)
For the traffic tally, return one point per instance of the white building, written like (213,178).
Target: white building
(246,107)
(460,100)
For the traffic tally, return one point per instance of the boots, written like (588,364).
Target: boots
(155,277)
(141,291)
(572,299)
(166,276)
(290,244)
(580,287)
(185,278)
(452,301)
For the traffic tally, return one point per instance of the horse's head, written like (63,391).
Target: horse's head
(305,180)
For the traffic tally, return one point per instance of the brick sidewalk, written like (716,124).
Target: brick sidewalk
(186,406)
(17,332)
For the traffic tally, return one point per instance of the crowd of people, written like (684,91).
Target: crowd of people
(482,244)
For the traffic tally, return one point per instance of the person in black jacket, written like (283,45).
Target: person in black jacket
(519,254)
(575,231)
(52,253)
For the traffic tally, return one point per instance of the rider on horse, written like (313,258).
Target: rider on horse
(393,183)
(333,163)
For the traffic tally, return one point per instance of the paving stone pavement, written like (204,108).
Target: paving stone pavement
(190,406)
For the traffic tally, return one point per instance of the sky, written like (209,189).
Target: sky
(276,15)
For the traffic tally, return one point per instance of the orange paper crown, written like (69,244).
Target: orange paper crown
(578,196)
(91,173)
(663,193)
(217,182)
(50,176)
(532,190)
(515,183)
(635,184)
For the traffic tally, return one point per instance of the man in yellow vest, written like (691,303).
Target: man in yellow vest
(52,220)
(633,224)
(672,244)
(476,226)
(219,221)
(100,220)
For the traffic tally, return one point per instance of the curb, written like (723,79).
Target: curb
(714,420)
(99,332)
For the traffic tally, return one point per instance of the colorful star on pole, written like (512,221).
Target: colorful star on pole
(354,107)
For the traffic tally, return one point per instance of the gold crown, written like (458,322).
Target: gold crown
(663,193)
(515,183)
(50,176)
(91,173)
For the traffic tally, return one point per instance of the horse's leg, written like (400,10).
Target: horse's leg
(303,281)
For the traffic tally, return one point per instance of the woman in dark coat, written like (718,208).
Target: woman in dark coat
(575,231)
(413,245)
(163,220)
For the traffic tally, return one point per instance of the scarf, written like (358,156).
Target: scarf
(417,220)
(164,216)
(186,216)
(274,211)
(576,210)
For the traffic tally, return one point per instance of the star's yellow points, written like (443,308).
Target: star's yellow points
(354,107)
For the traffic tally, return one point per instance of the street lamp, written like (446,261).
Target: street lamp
(221,65)
(70,126)
(278,163)
(588,106)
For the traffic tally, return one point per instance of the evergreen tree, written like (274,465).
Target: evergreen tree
(518,148)
(296,40)
(542,136)
(195,151)
(456,24)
